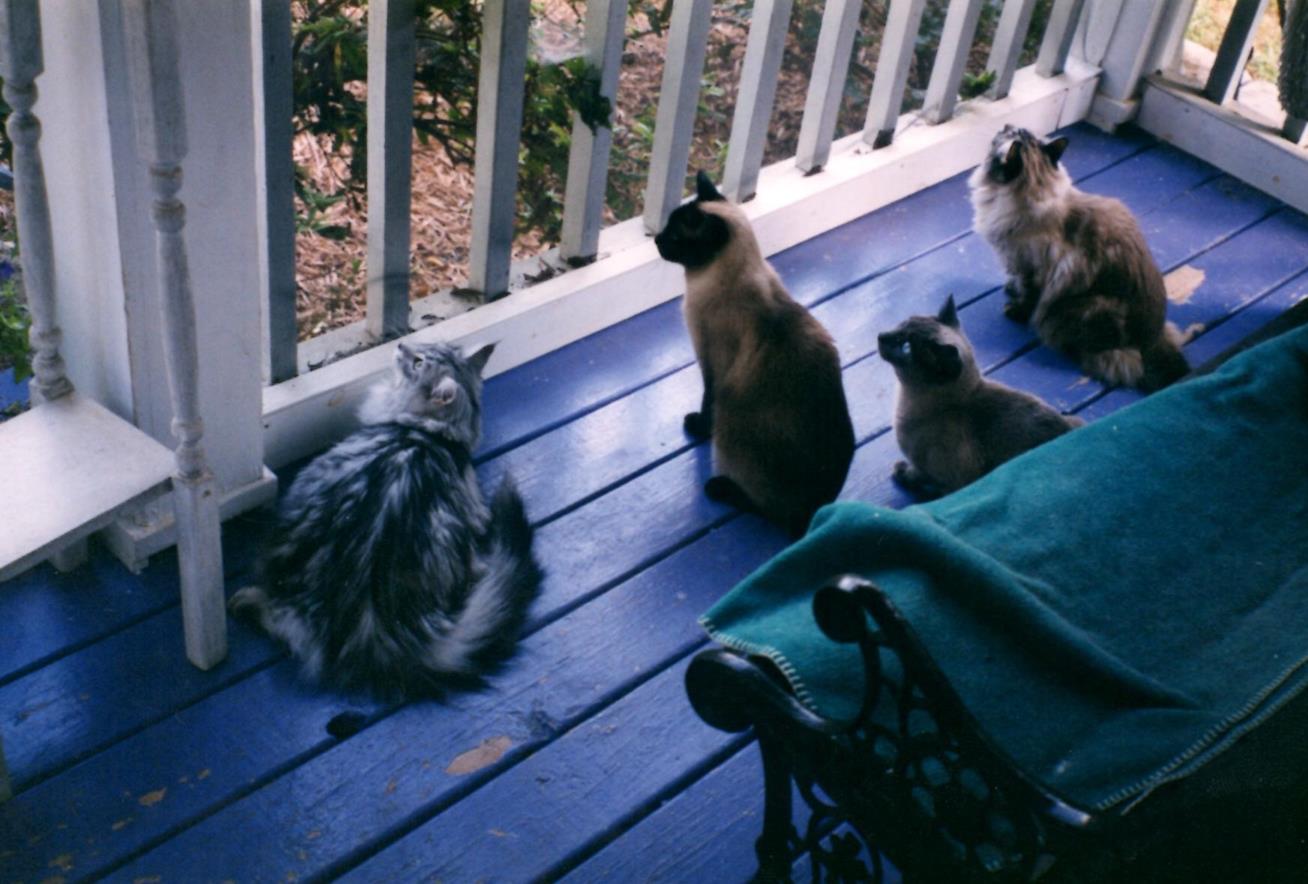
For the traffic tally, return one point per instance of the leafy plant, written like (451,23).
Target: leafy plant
(976,84)
(15,350)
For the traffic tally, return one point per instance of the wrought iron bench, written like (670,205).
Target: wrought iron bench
(914,775)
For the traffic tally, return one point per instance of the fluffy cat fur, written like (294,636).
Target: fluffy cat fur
(953,425)
(384,569)
(1078,266)
(773,401)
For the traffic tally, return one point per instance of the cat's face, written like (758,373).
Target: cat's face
(694,237)
(928,350)
(1019,157)
(440,382)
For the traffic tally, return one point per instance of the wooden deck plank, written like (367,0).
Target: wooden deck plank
(396,769)
(528,821)
(712,824)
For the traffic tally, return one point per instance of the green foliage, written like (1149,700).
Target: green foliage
(330,59)
(14,323)
(976,84)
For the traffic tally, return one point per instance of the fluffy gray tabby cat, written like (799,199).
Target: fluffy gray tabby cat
(953,424)
(385,570)
(1079,269)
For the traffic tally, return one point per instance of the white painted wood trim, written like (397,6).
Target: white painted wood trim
(1234,50)
(307,413)
(391,41)
(678,100)
(1252,152)
(151,31)
(768,24)
(20,64)
(588,158)
(1010,34)
(1171,35)
(274,172)
(947,72)
(897,42)
(1057,42)
(826,85)
(1130,49)
(499,131)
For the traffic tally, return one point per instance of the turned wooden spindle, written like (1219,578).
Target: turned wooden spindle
(151,30)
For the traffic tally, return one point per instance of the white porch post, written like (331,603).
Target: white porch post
(107,287)
(1119,37)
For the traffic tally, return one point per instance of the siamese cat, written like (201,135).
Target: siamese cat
(773,402)
(953,424)
(1078,267)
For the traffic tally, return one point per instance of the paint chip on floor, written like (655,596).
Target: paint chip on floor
(1182,283)
(486,754)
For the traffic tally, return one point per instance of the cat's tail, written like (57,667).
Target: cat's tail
(1164,362)
(486,629)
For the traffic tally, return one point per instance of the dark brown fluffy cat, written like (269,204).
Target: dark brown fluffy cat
(773,399)
(952,424)
(1079,269)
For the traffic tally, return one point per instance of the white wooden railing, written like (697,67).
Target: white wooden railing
(499,119)
(1207,120)
(1093,56)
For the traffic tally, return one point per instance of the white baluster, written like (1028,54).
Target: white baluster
(270,22)
(1005,49)
(588,161)
(1057,42)
(947,73)
(758,89)
(390,163)
(150,28)
(499,133)
(20,63)
(826,84)
(897,42)
(678,100)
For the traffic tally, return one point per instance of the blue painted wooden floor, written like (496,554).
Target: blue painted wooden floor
(582,759)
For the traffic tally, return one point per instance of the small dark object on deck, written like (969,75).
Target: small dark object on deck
(346,724)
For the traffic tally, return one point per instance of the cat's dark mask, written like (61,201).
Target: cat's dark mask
(1015,152)
(919,347)
(693,237)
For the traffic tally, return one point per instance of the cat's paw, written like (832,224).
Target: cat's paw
(247,602)
(904,474)
(697,426)
(1018,310)
(719,488)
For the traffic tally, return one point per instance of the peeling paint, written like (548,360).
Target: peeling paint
(1182,283)
(204,774)
(122,824)
(486,754)
(150,879)
(63,862)
(150,799)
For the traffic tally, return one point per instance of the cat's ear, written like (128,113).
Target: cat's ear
(1013,159)
(479,359)
(1054,149)
(407,360)
(705,191)
(444,393)
(949,313)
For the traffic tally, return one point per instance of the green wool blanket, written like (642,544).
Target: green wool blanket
(1116,607)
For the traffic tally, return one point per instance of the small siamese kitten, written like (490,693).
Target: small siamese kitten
(1078,267)
(953,424)
(773,402)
